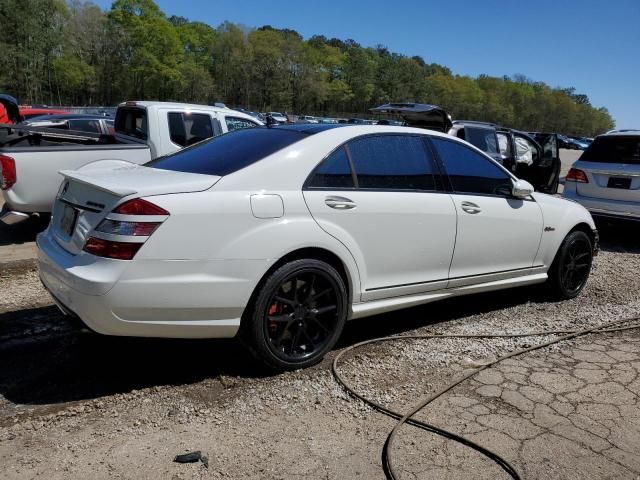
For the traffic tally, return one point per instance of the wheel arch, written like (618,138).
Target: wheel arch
(586,228)
(314,253)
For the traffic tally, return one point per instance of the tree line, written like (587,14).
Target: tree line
(72,52)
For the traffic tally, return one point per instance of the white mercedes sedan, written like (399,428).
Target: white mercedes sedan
(281,234)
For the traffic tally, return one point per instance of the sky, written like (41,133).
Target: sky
(592,45)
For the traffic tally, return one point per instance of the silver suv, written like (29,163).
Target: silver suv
(606,178)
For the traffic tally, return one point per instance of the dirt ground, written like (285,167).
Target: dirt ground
(78,405)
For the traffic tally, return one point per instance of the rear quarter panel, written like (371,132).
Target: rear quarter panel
(220,225)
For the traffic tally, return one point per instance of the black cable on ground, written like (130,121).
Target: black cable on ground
(407,418)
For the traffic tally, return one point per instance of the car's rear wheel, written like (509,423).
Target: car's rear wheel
(570,270)
(298,315)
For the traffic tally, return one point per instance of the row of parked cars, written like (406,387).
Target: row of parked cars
(279,234)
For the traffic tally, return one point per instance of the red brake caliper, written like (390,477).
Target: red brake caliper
(273,309)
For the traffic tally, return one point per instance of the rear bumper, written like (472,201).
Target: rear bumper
(605,208)
(150,298)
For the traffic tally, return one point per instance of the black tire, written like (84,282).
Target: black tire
(297,315)
(570,270)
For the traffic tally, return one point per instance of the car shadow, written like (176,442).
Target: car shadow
(437,313)
(23,232)
(64,363)
(619,236)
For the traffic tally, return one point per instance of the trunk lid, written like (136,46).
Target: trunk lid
(610,180)
(88,195)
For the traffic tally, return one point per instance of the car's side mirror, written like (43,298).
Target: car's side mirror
(522,189)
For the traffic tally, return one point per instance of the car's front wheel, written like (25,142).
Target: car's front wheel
(570,269)
(298,314)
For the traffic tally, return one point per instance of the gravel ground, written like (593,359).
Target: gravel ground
(77,405)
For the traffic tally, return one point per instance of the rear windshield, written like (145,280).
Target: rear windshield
(132,122)
(613,149)
(230,152)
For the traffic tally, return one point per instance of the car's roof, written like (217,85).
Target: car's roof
(627,132)
(475,123)
(309,128)
(146,103)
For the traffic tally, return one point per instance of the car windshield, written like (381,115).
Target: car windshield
(230,152)
(613,149)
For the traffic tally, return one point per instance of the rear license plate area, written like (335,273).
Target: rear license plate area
(68,220)
(619,182)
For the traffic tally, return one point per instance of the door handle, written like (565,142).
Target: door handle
(470,207)
(339,203)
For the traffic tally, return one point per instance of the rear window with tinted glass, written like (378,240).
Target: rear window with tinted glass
(132,122)
(230,152)
(613,149)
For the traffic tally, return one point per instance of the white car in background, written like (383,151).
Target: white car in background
(278,117)
(606,178)
(281,234)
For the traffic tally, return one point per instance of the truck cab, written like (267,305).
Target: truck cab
(168,127)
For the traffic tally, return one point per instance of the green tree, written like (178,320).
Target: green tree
(154,48)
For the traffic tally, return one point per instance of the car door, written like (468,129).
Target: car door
(549,165)
(379,195)
(537,164)
(497,233)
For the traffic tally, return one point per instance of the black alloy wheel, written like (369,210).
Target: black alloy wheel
(298,316)
(576,265)
(571,267)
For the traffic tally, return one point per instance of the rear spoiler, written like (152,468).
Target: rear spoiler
(93,182)
(419,115)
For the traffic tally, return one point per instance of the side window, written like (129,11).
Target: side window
(188,128)
(397,162)
(235,123)
(333,172)
(176,129)
(470,172)
(483,138)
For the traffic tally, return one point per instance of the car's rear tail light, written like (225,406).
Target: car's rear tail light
(125,227)
(7,172)
(139,206)
(576,175)
(111,249)
(132,229)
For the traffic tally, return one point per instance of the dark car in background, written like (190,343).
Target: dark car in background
(535,158)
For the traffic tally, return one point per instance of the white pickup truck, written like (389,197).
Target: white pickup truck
(30,158)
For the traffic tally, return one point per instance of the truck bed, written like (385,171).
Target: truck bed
(39,154)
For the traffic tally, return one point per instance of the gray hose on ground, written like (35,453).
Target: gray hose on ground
(408,417)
